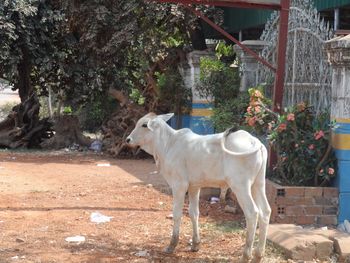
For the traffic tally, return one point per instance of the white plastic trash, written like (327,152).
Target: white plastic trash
(97,217)
(103,164)
(75,239)
(347,226)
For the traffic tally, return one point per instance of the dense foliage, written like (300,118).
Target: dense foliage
(301,139)
(80,49)
(219,79)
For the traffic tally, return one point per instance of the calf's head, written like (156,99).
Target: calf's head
(144,132)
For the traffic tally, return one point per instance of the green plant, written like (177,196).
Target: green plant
(230,113)
(137,97)
(217,80)
(301,139)
(220,82)
(67,110)
(223,50)
(95,112)
(173,94)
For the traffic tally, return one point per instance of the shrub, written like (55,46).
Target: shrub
(301,139)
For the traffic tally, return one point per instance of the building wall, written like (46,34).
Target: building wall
(236,19)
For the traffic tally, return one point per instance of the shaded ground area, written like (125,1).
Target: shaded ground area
(47,197)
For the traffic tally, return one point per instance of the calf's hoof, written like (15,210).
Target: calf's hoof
(244,259)
(195,247)
(169,250)
(257,257)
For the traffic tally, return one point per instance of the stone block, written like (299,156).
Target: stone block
(342,247)
(300,244)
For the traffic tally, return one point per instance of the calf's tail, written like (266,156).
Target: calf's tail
(257,146)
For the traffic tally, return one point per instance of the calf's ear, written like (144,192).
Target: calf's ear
(166,117)
(153,124)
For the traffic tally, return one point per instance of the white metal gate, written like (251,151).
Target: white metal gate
(308,74)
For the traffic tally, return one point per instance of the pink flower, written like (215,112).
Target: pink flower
(311,147)
(258,94)
(321,171)
(249,109)
(319,134)
(257,109)
(290,117)
(251,121)
(330,171)
(296,145)
(282,127)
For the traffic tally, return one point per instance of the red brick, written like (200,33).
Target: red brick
(305,220)
(313,191)
(284,220)
(330,210)
(295,191)
(327,220)
(330,192)
(295,201)
(327,201)
(313,210)
(294,211)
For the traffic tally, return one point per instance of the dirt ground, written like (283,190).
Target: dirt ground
(46,197)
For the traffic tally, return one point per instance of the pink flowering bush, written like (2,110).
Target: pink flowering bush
(301,139)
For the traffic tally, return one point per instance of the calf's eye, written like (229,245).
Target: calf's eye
(144,125)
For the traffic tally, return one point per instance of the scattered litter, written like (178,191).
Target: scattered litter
(149,186)
(344,227)
(17,257)
(214,200)
(324,228)
(170,216)
(75,239)
(230,209)
(347,226)
(43,229)
(154,172)
(142,253)
(103,164)
(96,146)
(97,217)
(341,227)
(160,203)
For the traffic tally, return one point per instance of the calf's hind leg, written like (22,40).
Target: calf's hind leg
(245,200)
(193,195)
(178,199)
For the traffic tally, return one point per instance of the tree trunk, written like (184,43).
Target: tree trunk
(22,127)
(24,69)
(67,133)
(120,124)
(198,38)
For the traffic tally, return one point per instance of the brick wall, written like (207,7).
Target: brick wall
(302,205)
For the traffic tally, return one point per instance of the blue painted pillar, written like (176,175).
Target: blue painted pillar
(199,118)
(338,50)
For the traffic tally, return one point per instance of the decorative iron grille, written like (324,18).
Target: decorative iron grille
(308,75)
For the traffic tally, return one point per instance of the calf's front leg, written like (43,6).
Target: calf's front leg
(178,199)
(193,196)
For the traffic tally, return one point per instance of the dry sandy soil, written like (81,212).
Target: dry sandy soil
(46,197)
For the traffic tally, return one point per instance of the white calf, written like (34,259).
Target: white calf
(189,161)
